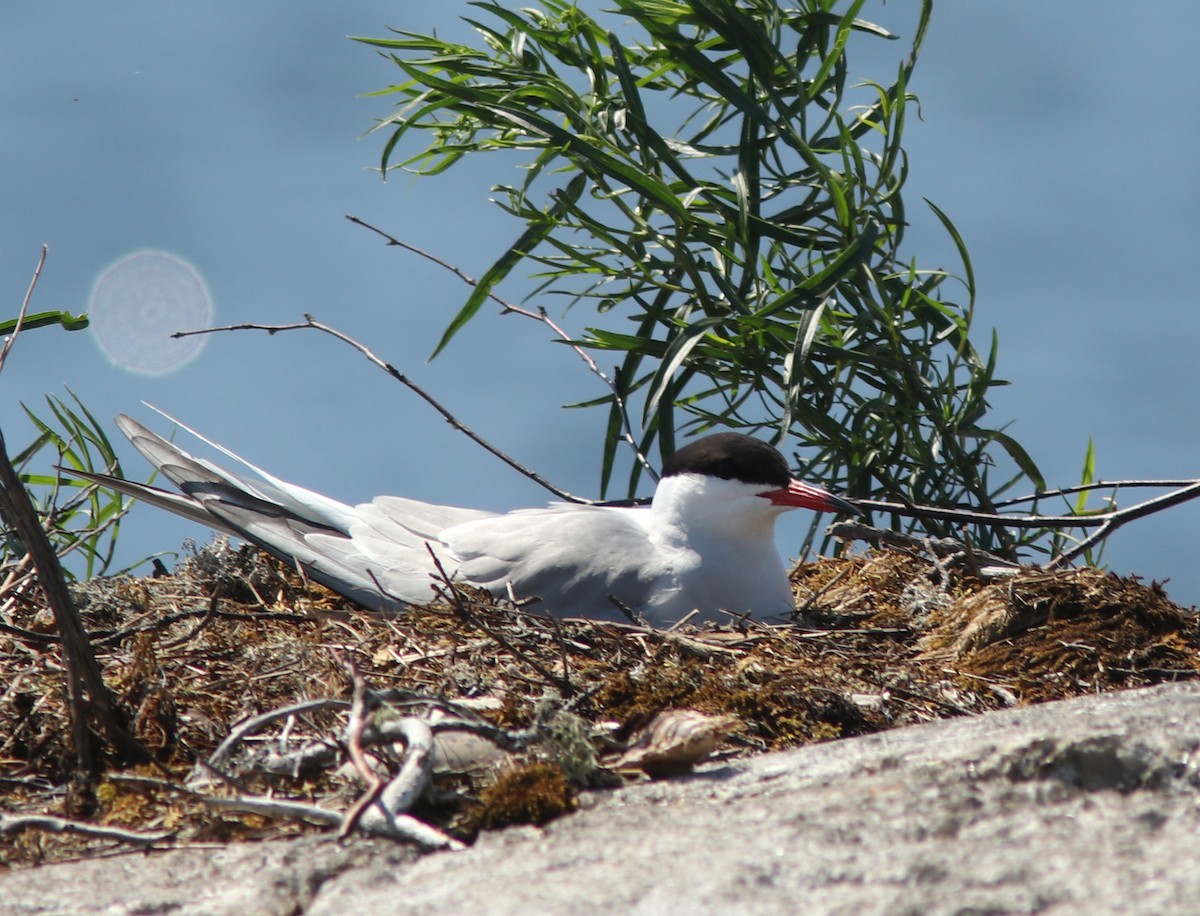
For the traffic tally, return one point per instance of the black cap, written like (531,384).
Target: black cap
(731,456)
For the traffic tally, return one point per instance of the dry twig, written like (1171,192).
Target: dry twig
(448,591)
(13,825)
(542,316)
(220,757)
(1107,522)
(312,324)
(354,746)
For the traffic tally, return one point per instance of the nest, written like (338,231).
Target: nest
(269,706)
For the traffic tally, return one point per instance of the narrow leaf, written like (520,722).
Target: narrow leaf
(528,240)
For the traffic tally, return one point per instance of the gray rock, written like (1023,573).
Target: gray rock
(1084,806)
(276,878)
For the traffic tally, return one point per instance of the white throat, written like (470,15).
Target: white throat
(692,506)
(718,537)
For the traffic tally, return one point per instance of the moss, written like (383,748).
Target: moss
(532,793)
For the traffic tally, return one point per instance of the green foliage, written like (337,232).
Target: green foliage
(86,522)
(1061,541)
(728,204)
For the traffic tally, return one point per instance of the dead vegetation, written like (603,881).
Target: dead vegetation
(269,706)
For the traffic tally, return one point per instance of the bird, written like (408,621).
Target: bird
(705,545)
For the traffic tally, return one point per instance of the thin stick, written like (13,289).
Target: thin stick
(540,315)
(213,603)
(411,782)
(1086,487)
(33,282)
(445,588)
(402,827)
(312,324)
(255,723)
(1098,520)
(1105,522)
(354,745)
(1115,520)
(10,826)
(900,540)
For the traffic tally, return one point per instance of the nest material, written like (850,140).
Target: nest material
(881,640)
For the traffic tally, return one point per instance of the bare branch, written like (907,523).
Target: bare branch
(218,757)
(12,825)
(33,282)
(354,746)
(1087,487)
(1122,517)
(1190,490)
(937,548)
(322,752)
(1105,522)
(403,827)
(542,316)
(408,785)
(311,323)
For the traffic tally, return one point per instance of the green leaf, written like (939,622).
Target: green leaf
(1086,476)
(528,240)
(68,322)
(1015,451)
(676,353)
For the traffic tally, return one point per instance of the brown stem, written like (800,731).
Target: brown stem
(540,315)
(83,673)
(312,324)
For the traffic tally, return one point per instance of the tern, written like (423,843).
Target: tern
(706,543)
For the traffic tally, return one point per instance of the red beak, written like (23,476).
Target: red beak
(801,495)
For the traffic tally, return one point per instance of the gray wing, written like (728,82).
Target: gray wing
(571,557)
(199,479)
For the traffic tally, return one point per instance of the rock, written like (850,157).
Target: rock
(1081,806)
(276,878)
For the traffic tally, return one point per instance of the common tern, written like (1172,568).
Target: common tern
(706,542)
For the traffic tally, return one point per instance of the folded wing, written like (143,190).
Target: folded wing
(572,557)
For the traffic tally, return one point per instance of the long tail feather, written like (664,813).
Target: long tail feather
(289,522)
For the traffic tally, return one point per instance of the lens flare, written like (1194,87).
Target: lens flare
(139,302)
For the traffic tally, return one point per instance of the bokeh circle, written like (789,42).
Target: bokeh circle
(139,302)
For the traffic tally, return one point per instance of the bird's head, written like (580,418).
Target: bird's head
(731,480)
